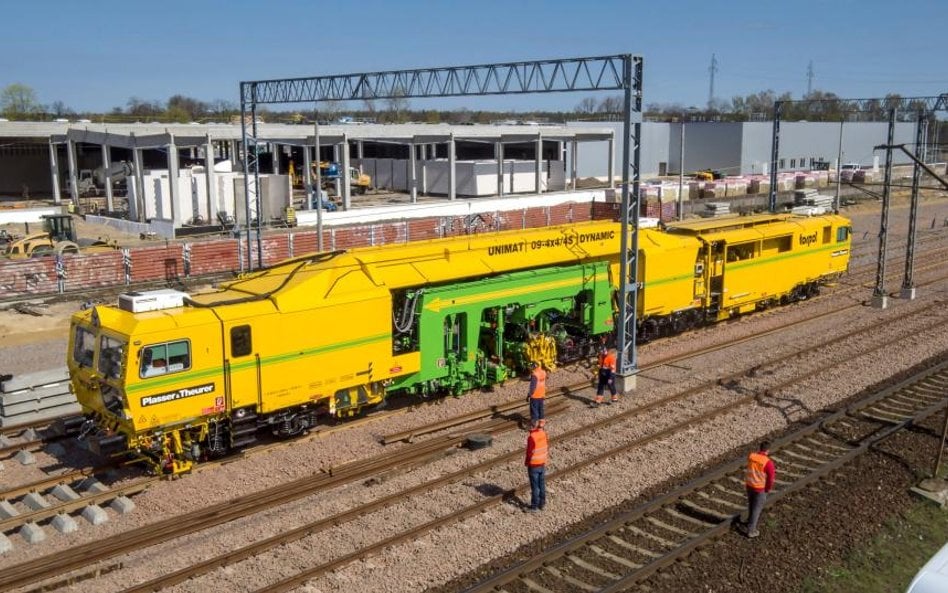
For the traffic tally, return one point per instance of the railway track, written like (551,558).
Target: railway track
(694,422)
(632,546)
(315,527)
(400,460)
(70,505)
(694,354)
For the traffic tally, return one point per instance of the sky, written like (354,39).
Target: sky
(95,54)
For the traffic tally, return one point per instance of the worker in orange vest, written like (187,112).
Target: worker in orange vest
(536,467)
(759,480)
(536,393)
(607,374)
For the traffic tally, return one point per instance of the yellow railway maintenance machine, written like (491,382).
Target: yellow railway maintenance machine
(172,378)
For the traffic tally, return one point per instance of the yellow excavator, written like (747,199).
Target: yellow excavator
(57,238)
(707,175)
(331,172)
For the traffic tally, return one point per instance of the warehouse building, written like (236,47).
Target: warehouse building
(744,148)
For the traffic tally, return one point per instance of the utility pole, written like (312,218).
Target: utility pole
(712,69)
(681,168)
(809,79)
(839,168)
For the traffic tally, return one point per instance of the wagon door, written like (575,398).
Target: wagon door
(241,368)
(716,277)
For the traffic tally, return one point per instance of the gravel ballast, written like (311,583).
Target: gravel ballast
(434,559)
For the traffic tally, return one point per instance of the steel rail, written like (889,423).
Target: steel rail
(297,580)
(673,498)
(47,483)
(206,517)
(810,349)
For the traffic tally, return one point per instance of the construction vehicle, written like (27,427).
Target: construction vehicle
(330,173)
(91,181)
(708,175)
(57,238)
(327,204)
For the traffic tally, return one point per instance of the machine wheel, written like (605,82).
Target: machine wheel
(41,251)
(66,247)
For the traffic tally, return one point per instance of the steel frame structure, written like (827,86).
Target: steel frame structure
(599,73)
(924,108)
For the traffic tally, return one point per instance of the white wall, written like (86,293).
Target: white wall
(192,196)
(473,178)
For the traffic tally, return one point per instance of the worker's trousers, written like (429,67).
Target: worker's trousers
(606,379)
(537,475)
(536,409)
(755,504)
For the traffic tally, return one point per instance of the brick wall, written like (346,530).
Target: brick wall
(176,260)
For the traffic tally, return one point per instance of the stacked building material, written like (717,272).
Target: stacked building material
(661,210)
(36,396)
(736,186)
(804,180)
(714,189)
(786,181)
(694,190)
(715,209)
(758,184)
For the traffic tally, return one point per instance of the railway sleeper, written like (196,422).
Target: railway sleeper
(632,547)
(614,558)
(580,585)
(588,566)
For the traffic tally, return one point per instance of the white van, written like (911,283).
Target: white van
(933,578)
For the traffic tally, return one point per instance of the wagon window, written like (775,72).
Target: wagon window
(842,233)
(740,251)
(827,234)
(162,359)
(778,244)
(84,347)
(240,340)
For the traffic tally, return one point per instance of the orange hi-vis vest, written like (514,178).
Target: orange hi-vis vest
(755,476)
(536,448)
(540,390)
(607,360)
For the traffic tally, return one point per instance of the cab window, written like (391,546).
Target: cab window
(842,233)
(162,359)
(111,357)
(83,350)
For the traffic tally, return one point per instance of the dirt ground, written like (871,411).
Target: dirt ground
(35,322)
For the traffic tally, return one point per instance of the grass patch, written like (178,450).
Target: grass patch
(889,562)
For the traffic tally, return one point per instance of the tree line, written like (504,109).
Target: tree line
(19,102)
(825,106)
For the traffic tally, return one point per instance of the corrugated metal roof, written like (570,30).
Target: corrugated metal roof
(144,135)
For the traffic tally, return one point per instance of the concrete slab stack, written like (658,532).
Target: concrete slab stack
(33,397)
